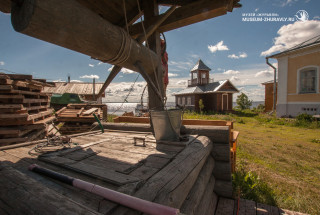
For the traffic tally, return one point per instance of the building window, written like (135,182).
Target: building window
(203,75)
(307,80)
(179,101)
(183,100)
(189,100)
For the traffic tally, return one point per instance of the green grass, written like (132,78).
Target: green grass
(278,160)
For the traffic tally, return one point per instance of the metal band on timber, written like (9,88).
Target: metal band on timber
(73,26)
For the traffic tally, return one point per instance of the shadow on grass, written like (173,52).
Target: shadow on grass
(249,186)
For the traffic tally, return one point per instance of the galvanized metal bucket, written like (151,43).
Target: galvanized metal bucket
(166,124)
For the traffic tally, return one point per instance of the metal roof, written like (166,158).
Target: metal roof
(200,66)
(208,88)
(308,43)
(73,87)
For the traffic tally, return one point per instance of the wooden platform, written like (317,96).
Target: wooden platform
(183,175)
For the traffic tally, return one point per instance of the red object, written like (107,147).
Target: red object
(120,198)
(164,60)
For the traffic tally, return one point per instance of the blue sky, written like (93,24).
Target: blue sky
(231,47)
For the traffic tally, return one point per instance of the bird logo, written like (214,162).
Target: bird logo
(302,15)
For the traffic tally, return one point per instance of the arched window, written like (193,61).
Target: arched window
(308,80)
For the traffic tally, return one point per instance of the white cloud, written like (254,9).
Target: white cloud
(241,55)
(127,71)
(218,47)
(91,65)
(316,17)
(231,72)
(172,74)
(293,34)
(90,76)
(109,70)
(256,10)
(234,78)
(59,80)
(76,81)
(1,63)
(264,73)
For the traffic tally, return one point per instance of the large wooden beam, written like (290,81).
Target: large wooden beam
(189,14)
(71,25)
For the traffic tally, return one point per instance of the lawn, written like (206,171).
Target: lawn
(278,163)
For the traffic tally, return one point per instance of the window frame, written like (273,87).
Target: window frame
(308,68)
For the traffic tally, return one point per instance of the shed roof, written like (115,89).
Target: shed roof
(208,88)
(200,66)
(73,87)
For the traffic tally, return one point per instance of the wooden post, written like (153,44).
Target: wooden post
(151,9)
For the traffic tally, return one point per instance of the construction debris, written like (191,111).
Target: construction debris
(24,109)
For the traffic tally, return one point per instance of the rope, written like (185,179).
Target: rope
(124,50)
(125,100)
(51,142)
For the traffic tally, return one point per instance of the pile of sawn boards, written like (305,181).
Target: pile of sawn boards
(78,118)
(24,109)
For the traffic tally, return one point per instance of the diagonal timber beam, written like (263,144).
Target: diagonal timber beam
(189,14)
(116,69)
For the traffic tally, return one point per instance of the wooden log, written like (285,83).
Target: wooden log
(194,197)
(207,197)
(217,134)
(221,152)
(223,188)
(222,171)
(225,206)
(171,185)
(83,31)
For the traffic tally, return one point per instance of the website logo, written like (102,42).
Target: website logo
(302,16)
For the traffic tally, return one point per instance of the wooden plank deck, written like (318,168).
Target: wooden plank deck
(179,176)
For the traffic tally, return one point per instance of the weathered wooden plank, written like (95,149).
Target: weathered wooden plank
(242,207)
(222,171)
(91,170)
(194,197)
(225,206)
(143,172)
(207,196)
(90,111)
(25,195)
(263,209)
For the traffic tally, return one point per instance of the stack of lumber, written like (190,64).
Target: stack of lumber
(78,118)
(24,109)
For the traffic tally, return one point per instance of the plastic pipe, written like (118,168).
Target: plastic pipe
(120,198)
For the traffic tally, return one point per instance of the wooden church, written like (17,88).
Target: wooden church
(216,96)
